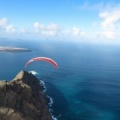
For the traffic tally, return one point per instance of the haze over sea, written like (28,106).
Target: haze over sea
(85,87)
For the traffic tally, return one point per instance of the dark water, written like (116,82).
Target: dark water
(85,87)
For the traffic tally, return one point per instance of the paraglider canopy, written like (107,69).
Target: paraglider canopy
(51,61)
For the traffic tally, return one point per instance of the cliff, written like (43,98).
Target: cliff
(23,99)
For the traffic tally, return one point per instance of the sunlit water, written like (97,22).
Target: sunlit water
(85,87)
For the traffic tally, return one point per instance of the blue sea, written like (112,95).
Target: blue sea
(86,86)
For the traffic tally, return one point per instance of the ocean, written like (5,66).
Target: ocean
(86,86)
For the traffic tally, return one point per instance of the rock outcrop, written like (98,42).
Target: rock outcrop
(23,99)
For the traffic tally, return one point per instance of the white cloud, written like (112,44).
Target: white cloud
(40,30)
(3,22)
(22,30)
(6,26)
(48,30)
(110,23)
(10,28)
(77,32)
(37,29)
(87,6)
(37,26)
(49,33)
(52,27)
(109,19)
(99,6)
(107,35)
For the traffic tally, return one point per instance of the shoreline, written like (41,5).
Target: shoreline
(50,99)
(13,49)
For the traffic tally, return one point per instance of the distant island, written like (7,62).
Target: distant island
(13,49)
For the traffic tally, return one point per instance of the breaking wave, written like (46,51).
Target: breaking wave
(33,72)
(50,99)
(43,84)
(50,107)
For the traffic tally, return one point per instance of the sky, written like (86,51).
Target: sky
(77,20)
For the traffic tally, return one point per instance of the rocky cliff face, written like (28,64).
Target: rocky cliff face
(23,99)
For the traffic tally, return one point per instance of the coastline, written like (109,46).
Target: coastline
(13,49)
(50,99)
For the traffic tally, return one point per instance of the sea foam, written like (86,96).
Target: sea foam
(50,99)
(43,85)
(33,72)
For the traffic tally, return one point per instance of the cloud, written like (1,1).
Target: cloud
(110,23)
(107,25)
(77,32)
(48,30)
(3,22)
(107,35)
(87,6)
(110,19)
(22,30)
(39,30)
(5,26)
(37,26)
(98,6)
(52,27)
(10,28)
